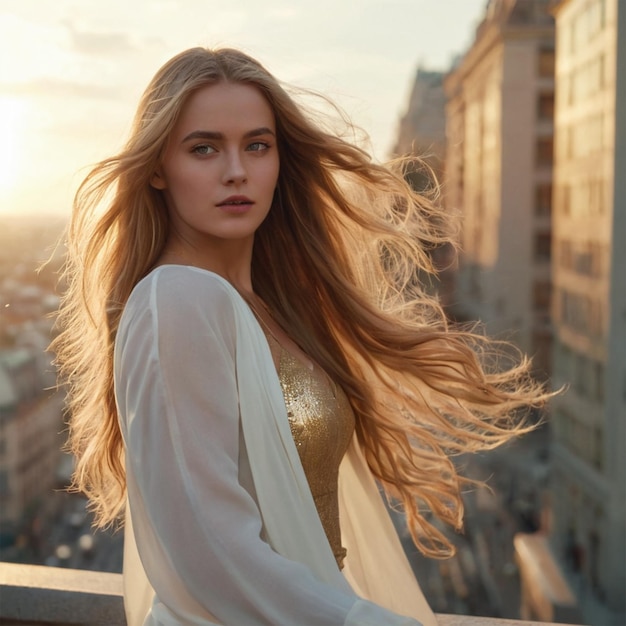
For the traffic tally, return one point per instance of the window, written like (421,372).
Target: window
(545,106)
(582,313)
(542,352)
(598,448)
(543,199)
(541,296)
(598,381)
(546,62)
(544,150)
(580,379)
(565,254)
(543,244)
(583,260)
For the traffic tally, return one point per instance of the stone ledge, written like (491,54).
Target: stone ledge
(34,595)
(473,620)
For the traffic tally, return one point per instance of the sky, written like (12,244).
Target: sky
(72,71)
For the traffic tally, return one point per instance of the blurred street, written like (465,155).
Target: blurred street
(482,578)
(61,535)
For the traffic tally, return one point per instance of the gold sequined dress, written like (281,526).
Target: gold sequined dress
(322,425)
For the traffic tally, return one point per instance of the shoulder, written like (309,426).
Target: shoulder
(184,290)
(184,298)
(189,285)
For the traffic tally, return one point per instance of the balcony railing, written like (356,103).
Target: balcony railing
(33,595)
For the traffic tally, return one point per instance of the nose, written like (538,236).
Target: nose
(234,170)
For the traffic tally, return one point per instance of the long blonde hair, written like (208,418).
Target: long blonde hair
(343,232)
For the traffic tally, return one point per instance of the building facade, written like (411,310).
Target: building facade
(422,129)
(499,127)
(589,300)
(422,134)
(31,420)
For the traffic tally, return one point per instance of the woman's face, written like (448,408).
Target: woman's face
(220,167)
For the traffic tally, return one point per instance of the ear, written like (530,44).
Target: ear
(157,181)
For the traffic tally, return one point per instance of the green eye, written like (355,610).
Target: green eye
(258,146)
(203,149)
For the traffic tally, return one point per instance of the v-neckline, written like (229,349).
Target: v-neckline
(301,356)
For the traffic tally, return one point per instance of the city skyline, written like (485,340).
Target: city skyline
(71,75)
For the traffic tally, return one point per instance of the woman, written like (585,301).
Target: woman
(246,350)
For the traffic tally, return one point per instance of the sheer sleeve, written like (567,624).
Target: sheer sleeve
(198,530)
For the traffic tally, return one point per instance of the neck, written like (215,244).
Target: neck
(231,260)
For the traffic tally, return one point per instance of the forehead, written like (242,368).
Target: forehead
(225,107)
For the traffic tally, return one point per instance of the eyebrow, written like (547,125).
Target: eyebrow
(209,134)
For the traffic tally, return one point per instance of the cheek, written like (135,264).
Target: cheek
(186,188)
(189,178)
(271,173)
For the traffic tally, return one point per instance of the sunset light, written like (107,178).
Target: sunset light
(13,144)
(72,73)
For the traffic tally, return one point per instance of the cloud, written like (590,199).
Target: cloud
(92,43)
(57,87)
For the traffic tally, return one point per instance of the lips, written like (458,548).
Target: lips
(235,201)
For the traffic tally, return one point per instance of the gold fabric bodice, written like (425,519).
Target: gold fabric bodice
(322,424)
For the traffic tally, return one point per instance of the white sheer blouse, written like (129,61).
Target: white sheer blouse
(221,525)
